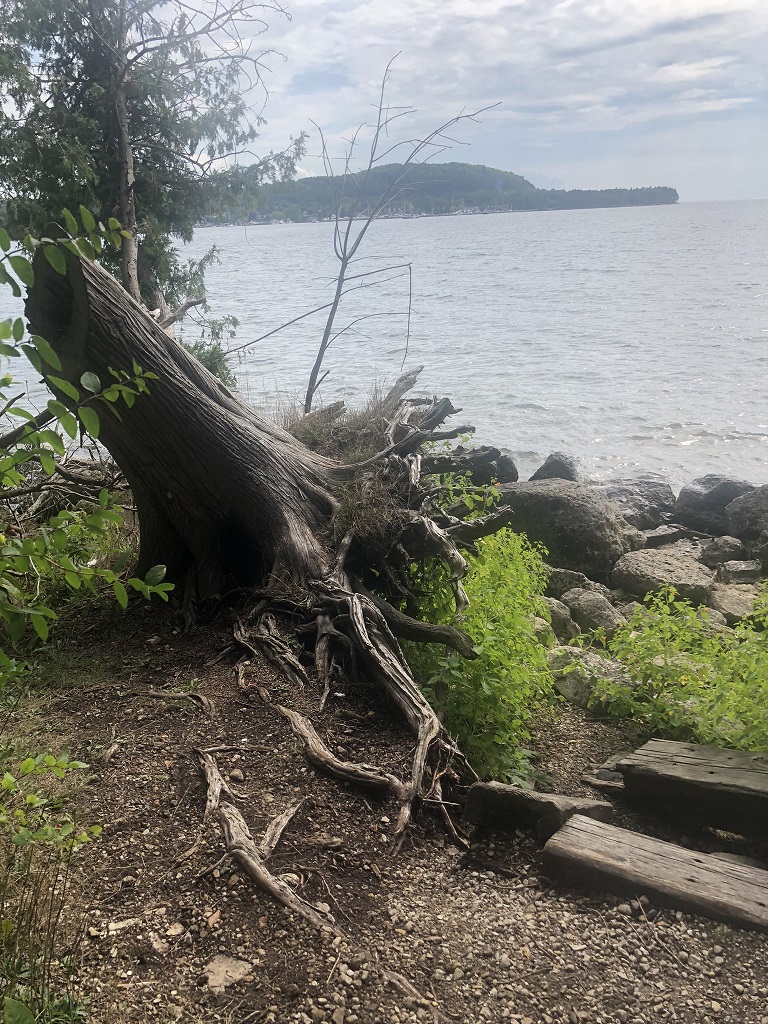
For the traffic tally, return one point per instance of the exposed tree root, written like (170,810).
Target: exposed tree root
(252,856)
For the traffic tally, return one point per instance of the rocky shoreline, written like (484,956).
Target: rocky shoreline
(611,545)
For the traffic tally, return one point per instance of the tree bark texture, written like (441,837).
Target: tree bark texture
(222,493)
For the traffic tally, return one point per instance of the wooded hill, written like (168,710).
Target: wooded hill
(427,189)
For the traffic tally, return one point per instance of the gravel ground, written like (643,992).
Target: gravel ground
(481,936)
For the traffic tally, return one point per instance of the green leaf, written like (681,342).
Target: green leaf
(55,257)
(69,222)
(51,438)
(33,356)
(63,385)
(155,575)
(22,268)
(15,1012)
(89,221)
(86,249)
(90,382)
(120,593)
(17,329)
(114,223)
(46,351)
(90,420)
(69,423)
(5,239)
(73,580)
(46,461)
(56,408)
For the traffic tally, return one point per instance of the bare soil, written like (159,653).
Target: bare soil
(482,936)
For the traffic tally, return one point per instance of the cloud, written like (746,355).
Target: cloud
(609,74)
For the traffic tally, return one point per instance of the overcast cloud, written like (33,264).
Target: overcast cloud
(592,93)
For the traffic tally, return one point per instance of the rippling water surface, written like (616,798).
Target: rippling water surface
(634,338)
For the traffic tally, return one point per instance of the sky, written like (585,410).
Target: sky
(590,93)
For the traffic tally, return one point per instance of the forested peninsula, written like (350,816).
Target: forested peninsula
(426,190)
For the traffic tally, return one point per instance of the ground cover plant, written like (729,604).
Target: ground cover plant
(690,682)
(488,703)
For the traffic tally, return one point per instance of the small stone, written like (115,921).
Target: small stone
(236,775)
(224,971)
(624,909)
(177,928)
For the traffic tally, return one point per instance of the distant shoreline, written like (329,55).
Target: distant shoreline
(423,216)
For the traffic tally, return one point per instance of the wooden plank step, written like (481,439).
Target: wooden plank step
(593,854)
(727,789)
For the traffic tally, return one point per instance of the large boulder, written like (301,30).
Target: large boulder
(577,671)
(722,549)
(702,503)
(563,625)
(579,529)
(593,611)
(643,503)
(645,572)
(557,466)
(747,515)
(560,581)
(739,572)
(733,600)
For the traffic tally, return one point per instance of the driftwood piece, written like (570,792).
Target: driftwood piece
(593,854)
(495,804)
(726,789)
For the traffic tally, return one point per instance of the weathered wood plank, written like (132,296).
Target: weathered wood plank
(589,853)
(727,789)
(496,805)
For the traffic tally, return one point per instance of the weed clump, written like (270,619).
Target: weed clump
(688,681)
(487,704)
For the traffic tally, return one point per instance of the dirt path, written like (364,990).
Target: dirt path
(484,937)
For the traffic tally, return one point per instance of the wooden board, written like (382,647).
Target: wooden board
(589,853)
(727,789)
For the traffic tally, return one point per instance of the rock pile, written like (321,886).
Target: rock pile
(611,545)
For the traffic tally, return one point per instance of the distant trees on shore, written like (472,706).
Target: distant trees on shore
(427,190)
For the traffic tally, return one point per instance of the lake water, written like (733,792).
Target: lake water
(636,339)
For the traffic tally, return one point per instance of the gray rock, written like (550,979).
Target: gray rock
(224,971)
(506,470)
(645,572)
(493,804)
(560,581)
(563,625)
(628,608)
(557,466)
(643,503)
(579,529)
(544,632)
(722,549)
(593,611)
(715,621)
(734,601)
(702,503)
(739,572)
(665,535)
(575,672)
(747,518)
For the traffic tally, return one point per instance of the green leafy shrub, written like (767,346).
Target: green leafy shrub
(487,704)
(38,937)
(690,682)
